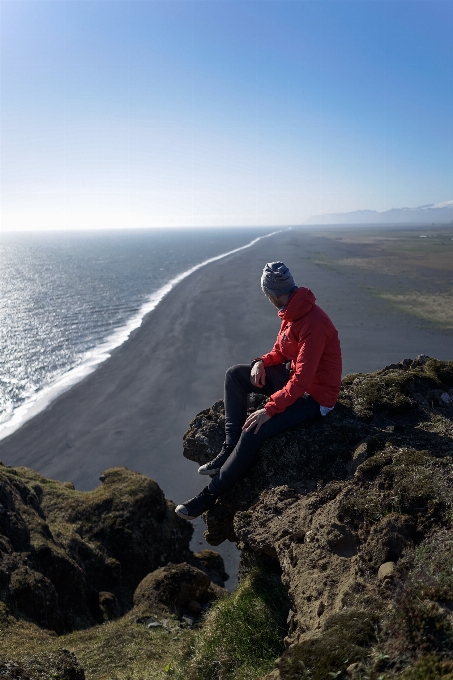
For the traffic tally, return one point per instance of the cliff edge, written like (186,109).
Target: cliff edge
(111,570)
(354,511)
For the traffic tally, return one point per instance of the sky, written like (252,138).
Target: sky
(164,113)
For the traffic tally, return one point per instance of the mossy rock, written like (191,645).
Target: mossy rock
(343,641)
(382,408)
(430,667)
(60,665)
(404,481)
(62,548)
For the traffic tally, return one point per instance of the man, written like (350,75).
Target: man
(301,375)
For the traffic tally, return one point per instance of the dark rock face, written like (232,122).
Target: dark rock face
(212,564)
(333,501)
(69,559)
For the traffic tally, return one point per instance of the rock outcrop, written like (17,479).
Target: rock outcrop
(353,512)
(355,508)
(69,559)
(176,588)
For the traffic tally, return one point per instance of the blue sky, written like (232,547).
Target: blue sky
(222,112)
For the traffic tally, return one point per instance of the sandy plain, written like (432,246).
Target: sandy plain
(375,283)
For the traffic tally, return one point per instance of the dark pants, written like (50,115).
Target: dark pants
(237,386)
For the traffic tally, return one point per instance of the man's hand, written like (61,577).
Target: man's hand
(257,418)
(258,374)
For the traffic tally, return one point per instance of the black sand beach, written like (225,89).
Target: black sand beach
(134,409)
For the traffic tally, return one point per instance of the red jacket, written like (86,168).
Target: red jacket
(309,339)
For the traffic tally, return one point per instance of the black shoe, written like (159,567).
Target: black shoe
(212,468)
(196,506)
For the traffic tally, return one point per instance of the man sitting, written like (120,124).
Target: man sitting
(301,375)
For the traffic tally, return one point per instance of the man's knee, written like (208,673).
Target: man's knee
(252,441)
(235,373)
(230,373)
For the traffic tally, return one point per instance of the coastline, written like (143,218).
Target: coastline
(39,401)
(135,407)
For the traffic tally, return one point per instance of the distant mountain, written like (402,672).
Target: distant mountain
(438,213)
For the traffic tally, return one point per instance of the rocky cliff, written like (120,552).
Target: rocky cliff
(354,510)
(72,560)
(350,516)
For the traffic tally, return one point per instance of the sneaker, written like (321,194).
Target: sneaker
(213,467)
(197,505)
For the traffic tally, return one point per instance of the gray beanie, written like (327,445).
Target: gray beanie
(276,279)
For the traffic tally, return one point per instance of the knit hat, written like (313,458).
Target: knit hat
(276,279)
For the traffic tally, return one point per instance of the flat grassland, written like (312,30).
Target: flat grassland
(409,267)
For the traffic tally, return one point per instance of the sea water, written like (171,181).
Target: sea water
(68,298)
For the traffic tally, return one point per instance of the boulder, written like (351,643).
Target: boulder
(173,586)
(386,572)
(108,605)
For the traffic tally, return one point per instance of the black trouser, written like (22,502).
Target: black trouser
(237,386)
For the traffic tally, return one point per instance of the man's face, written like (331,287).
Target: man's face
(274,300)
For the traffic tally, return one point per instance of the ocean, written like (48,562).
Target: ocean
(67,299)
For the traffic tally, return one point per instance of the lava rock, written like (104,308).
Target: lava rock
(172,586)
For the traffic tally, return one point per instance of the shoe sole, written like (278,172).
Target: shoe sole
(212,472)
(182,512)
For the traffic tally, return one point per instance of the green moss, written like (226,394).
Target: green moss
(441,371)
(399,480)
(417,633)
(344,641)
(117,650)
(242,634)
(387,393)
(432,571)
(431,667)
(391,391)
(349,379)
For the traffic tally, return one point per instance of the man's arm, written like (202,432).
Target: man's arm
(273,357)
(312,343)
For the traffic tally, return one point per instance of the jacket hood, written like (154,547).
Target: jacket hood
(300,303)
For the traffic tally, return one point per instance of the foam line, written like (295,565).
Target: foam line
(39,401)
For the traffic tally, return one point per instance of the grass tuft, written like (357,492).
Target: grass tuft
(242,634)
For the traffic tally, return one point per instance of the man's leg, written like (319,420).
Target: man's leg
(245,451)
(237,386)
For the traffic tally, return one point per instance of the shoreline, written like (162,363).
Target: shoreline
(38,402)
(134,409)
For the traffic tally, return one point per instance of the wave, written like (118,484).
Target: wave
(39,401)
